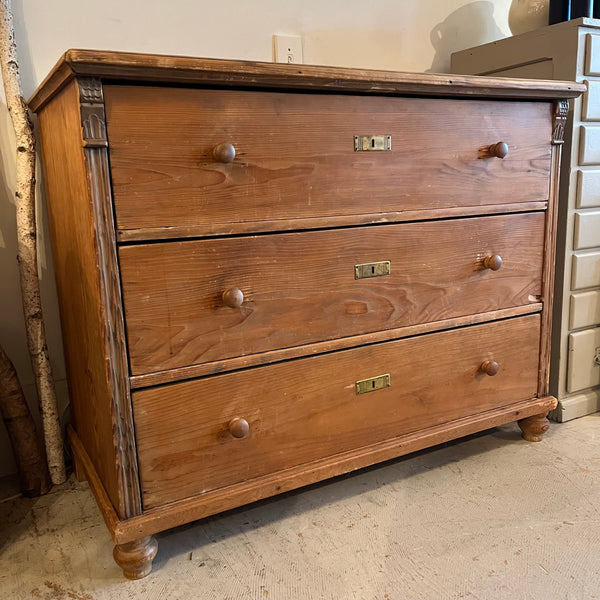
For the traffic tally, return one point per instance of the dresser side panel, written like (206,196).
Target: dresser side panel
(77,266)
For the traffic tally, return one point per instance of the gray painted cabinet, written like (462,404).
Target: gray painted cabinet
(570,51)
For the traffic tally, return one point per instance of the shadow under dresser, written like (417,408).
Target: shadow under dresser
(274,274)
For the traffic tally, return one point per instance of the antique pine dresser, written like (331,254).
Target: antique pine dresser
(273,274)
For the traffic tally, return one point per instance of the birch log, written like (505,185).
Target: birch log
(29,454)
(27,244)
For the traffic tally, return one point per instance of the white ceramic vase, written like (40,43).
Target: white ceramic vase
(526,15)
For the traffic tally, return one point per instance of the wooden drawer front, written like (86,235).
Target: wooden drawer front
(303,410)
(300,288)
(295,155)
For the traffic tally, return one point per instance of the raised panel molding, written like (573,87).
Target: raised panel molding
(587,230)
(588,189)
(586,270)
(590,110)
(585,309)
(589,145)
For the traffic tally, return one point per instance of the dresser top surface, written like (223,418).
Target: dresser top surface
(128,66)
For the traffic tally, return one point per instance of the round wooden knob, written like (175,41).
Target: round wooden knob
(224,153)
(489,367)
(238,427)
(233,297)
(493,262)
(499,150)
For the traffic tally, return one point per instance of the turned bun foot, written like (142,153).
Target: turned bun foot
(135,558)
(534,427)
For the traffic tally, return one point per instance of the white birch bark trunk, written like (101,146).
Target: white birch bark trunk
(27,244)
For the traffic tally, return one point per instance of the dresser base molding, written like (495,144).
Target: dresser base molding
(191,509)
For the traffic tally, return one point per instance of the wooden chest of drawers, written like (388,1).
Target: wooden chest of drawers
(272,274)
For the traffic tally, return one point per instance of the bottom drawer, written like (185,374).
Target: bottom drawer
(302,410)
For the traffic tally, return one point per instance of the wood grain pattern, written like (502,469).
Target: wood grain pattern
(88,472)
(89,296)
(549,273)
(534,427)
(264,358)
(135,558)
(202,71)
(303,410)
(226,229)
(99,185)
(197,507)
(300,288)
(295,155)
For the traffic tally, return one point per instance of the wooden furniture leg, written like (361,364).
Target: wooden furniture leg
(534,427)
(135,558)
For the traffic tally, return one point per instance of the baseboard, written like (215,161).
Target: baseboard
(576,406)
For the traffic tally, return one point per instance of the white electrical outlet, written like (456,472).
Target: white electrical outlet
(287,49)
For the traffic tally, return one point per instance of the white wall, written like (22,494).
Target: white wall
(407,35)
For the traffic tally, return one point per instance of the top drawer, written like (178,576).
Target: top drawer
(295,164)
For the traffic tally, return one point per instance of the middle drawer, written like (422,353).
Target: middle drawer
(200,301)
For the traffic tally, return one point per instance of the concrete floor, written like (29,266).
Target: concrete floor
(490,517)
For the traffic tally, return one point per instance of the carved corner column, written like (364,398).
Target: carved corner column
(95,148)
(561,111)
(533,428)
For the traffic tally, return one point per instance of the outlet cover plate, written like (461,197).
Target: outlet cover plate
(287,49)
